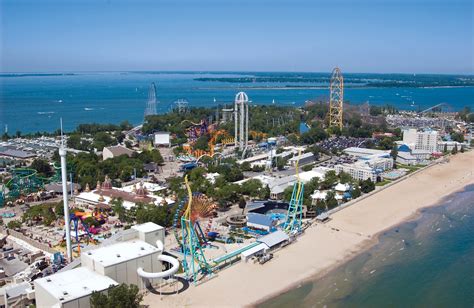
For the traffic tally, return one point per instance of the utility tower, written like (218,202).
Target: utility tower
(241,119)
(336,99)
(151,103)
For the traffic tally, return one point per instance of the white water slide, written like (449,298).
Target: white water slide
(174,265)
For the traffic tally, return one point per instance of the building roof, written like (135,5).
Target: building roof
(320,195)
(406,156)
(404,148)
(302,156)
(254,250)
(274,238)
(259,219)
(147,227)
(120,252)
(18,289)
(58,187)
(150,167)
(360,152)
(342,187)
(76,283)
(309,175)
(16,153)
(162,138)
(118,150)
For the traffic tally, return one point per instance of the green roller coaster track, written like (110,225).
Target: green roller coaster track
(25,181)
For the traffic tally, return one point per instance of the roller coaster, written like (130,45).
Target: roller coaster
(439,107)
(192,238)
(294,216)
(25,181)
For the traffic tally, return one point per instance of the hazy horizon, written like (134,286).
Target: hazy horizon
(223,72)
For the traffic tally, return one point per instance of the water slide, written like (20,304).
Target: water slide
(168,259)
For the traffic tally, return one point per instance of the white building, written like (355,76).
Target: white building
(162,139)
(363,152)
(406,158)
(120,261)
(71,288)
(368,168)
(318,195)
(421,140)
(448,145)
(128,257)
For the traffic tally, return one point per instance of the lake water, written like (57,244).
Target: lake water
(428,262)
(35,103)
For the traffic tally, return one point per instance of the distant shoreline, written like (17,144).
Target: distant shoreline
(325,88)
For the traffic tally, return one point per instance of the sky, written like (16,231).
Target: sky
(380,36)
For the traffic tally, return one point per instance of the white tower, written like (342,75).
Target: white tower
(241,119)
(62,153)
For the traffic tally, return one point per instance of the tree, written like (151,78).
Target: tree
(287,193)
(245,166)
(74,141)
(457,137)
(281,163)
(251,187)
(103,139)
(330,178)
(367,186)
(242,203)
(14,224)
(356,192)
(330,200)
(321,206)
(121,296)
(345,177)
(42,166)
(59,209)
(454,151)
(394,152)
(265,192)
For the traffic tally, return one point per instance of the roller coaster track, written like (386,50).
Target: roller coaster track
(295,209)
(436,106)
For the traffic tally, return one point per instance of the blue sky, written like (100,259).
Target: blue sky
(410,36)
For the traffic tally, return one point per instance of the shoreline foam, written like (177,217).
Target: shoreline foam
(314,254)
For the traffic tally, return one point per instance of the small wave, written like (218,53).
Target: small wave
(88,109)
(46,112)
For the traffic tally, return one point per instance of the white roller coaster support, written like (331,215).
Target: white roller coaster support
(170,272)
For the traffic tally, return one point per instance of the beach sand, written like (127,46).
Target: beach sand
(325,246)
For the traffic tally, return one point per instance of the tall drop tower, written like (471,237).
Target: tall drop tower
(151,103)
(241,119)
(336,99)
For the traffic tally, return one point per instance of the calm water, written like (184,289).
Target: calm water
(425,263)
(36,103)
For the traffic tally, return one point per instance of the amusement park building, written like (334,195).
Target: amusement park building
(71,288)
(115,151)
(162,139)
(130,195)
(116,261)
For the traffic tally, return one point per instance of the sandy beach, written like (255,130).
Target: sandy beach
(325,246)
